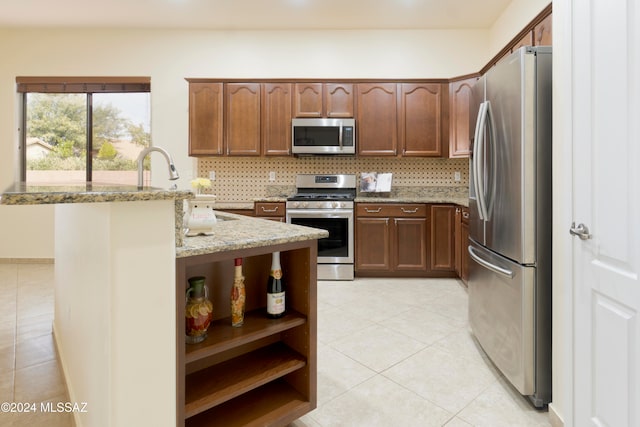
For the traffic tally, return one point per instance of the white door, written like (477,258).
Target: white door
(606,159)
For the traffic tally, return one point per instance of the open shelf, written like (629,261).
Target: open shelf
(275,403)
(222,382)
(222,336)
(263,373)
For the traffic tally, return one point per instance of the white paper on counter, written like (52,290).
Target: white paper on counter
(373,182)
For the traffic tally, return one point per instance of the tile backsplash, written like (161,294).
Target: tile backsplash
(240,179)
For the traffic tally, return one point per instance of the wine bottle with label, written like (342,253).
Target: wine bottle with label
(275,289)
(238,296)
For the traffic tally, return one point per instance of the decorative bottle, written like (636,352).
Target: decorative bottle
(275,289)
(238,296)
(198,311)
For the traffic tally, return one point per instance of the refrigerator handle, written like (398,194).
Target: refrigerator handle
(490,147)
(488,265)
(478,160)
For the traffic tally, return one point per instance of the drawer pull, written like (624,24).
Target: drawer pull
(269,210)
(409,210)
(373,210)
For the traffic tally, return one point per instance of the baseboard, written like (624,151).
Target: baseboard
(26,260)
(554,418)
(62,364)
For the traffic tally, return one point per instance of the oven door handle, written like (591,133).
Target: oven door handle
(320,213)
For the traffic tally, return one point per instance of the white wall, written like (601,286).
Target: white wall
(514,18)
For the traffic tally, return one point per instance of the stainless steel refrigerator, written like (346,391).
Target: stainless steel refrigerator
(510,220)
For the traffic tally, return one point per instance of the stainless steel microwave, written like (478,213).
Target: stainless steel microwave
(323,136)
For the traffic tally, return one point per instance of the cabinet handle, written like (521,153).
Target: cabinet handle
(372,210)
(458,210)
(409,210)
(269,210)
(465,214)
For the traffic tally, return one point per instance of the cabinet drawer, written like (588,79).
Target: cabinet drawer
(270,208)
(410,210)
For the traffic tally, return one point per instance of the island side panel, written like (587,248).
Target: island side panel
(115,310)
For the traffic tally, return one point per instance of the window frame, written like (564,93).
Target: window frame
(75,85)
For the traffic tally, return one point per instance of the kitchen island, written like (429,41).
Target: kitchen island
(118,324)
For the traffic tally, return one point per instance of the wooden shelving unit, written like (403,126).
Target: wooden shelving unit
(264,372)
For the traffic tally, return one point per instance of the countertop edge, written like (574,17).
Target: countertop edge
(42,196)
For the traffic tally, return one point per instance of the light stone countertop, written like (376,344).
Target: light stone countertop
(47,194)
(242,232)
(458,195)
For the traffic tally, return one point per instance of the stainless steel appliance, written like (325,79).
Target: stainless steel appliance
(323,136)
(326,201)
(510,220)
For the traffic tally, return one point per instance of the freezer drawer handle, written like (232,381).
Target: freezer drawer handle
(488,265)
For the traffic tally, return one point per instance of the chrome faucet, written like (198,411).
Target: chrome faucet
(173,174)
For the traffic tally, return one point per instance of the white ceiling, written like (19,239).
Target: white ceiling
(253,14)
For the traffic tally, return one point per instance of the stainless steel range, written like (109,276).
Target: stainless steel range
(326,202)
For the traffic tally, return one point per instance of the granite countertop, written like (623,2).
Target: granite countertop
(46,194)
(242,232)
(458,195)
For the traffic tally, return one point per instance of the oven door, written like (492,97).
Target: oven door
(338,247)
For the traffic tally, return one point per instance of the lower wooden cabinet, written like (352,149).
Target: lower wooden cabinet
(274,211)
(442,238)
(391,238)
(462,242)
(405,240)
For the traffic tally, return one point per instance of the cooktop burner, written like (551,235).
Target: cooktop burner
(322,196)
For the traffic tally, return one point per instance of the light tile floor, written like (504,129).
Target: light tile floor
(29,370)
(398,352)
(391,352)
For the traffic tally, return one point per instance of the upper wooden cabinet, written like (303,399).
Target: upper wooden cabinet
(323,100)
(542,33)
(460,127)
(376,121)
(421,117)
(206,119)
(276,119)
(242,119)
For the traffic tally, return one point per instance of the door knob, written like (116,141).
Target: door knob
(582,231)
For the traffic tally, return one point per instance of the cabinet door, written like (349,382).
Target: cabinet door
(409,244)
(276,119)
(338,99)
(460,130)
(376,123)
(308,100)
(442,238)
(421,119)
(206,102)
(542,33)
(242,122)
(372,244)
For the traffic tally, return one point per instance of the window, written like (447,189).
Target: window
(84,129)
